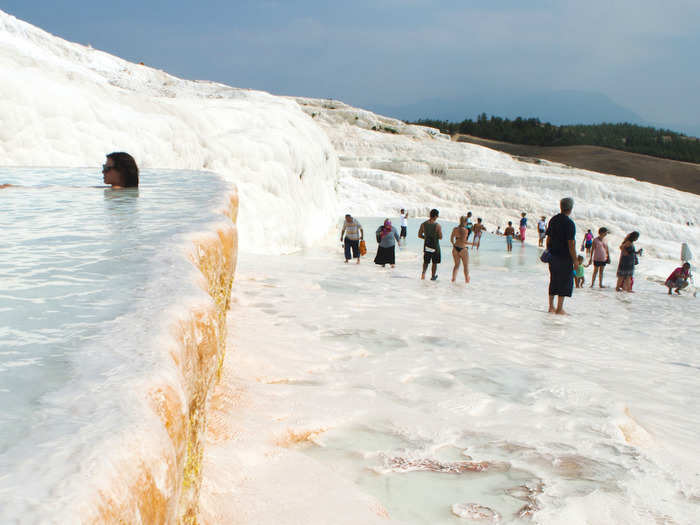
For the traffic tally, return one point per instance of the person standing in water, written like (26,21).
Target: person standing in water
(600,255)
(479,229)
(561,243)
(120,171)
(509,232)
(469,225)
(579,277)
(404,225)
(541,230)
(431,233)
(628,260)
(587,243)
(460,254)
(386,249)
(351,235)
(523,227)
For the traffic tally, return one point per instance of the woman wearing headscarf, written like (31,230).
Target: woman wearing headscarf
(387,237)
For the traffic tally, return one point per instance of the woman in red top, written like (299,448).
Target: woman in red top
(678,278)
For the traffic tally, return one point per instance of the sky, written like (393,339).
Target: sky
(643,55)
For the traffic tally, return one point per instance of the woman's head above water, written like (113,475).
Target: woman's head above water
(120,171)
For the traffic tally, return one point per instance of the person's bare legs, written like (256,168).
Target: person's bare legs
(465,261)
(600,278)
(627,285)
(618,286)
(425,268)
(560,305)
(457,259)
(433,271)
(551,304)
(595,272)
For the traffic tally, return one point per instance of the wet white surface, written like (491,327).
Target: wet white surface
(398,383)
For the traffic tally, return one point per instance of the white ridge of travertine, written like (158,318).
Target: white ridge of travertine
(299,163)
(64,104)
(386,165)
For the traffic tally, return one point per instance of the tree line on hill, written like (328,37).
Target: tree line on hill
(624,136)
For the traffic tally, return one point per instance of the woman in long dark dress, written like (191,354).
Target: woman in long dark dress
(628,259)
(387,237)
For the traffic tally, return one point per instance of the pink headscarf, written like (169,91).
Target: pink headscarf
(387,228)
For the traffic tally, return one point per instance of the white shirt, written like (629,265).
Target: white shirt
(542,226)
(404,221)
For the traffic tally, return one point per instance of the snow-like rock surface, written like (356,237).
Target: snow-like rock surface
(412,167)
(295,160)
(64,104)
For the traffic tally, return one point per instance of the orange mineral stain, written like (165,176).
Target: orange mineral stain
(165,489)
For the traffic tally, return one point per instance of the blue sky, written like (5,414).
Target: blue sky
(642,54)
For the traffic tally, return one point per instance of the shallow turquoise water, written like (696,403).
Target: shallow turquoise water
(87,275)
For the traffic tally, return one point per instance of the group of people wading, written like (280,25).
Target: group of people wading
(566,266)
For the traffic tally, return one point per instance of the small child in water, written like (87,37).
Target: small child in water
(509,233)
(578,273)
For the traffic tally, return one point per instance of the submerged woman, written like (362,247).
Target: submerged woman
(387,237)
(120,171)
(459,248)
(628,258)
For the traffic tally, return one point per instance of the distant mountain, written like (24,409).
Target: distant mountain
(557,107)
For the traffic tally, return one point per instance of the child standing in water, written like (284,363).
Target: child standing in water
(600,255)
(509,232)
(523,227)
(579,278)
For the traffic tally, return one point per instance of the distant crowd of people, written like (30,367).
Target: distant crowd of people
(557,237)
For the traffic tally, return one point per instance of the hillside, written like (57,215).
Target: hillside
(682,176)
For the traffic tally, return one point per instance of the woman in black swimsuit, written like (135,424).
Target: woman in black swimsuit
(459,248)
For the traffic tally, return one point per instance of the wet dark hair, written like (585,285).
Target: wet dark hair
(510,223)
(127,168)
(434,213)
(602,230)
(632,236)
